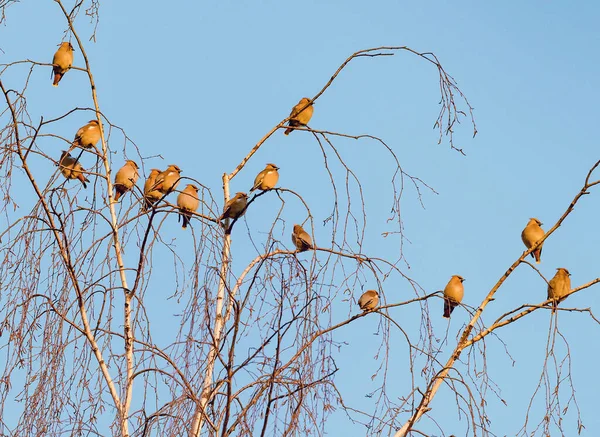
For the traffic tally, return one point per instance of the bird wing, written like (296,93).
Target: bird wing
(305,238)
(79,133)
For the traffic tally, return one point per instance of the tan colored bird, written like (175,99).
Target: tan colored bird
(151,194)
(168,180)
(235,207)
(453,294)
(188,202)
(299,116)
(71,169)
(301,239)
(126,178)
(266,179)
(532,234)
(559,286)
(369,300)
(62,60)
(88,136)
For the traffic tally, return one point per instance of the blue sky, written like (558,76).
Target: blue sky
(201,82)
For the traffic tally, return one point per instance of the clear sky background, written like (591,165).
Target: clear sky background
(199,83)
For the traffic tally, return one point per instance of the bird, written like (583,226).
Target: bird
(300,117)
(453,294)
(559,286)
(266,179)
(62,61)
(369,300)
(235,207)
(301,239)
(532,234)
(126,178)
(168,180)
(188,202)
(151,194)
(88,136)
(71,169)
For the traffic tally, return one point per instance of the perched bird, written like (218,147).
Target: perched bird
(299,116)
(88,136)
(559,286)
(369,300)
(71,169)
(188,202)
(301,239)
(266,179)
(235,207)
(453,294)
(532,234)
(168,180)
(126,178)
(62,60)
(151,194)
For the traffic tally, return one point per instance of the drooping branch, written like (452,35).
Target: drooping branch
(448,117)
(58,232)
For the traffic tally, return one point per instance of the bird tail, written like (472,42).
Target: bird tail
(83,180)
(57,77)
(119,191)
(291,125)
(538,255)
(185,217)
(449,306)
